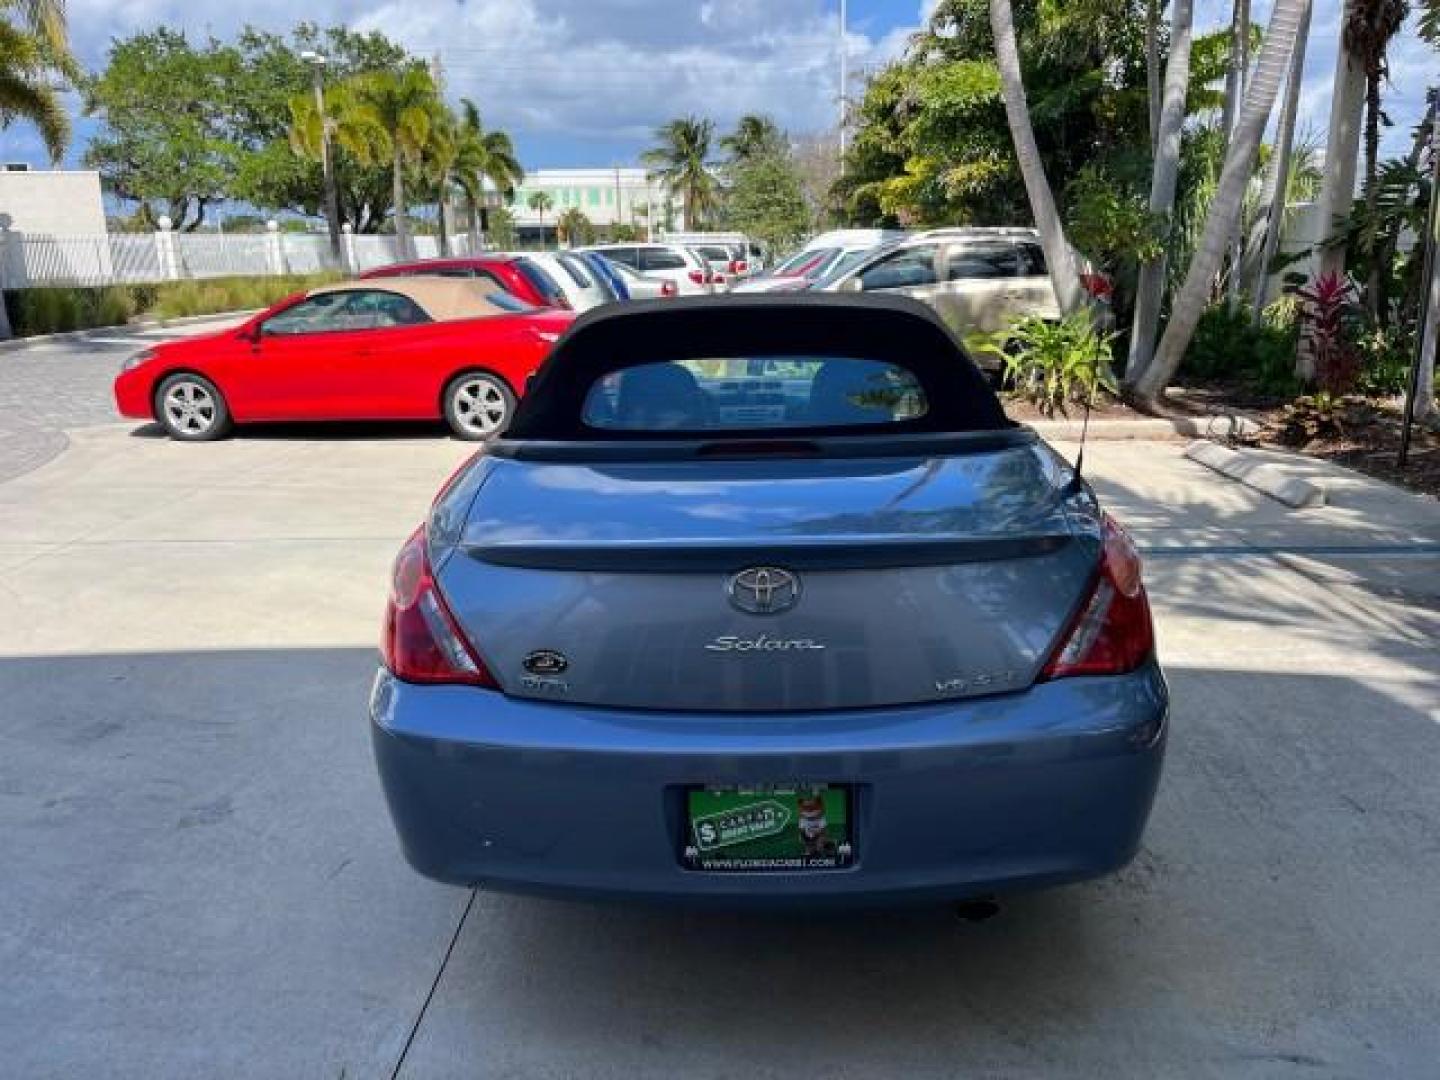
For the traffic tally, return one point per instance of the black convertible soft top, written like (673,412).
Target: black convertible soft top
(891,329)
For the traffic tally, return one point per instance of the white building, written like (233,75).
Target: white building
(42,202)
(607,197)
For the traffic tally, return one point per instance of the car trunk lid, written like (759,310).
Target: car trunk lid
(889,581)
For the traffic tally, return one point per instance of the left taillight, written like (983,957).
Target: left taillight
(1112,634)
(421,641)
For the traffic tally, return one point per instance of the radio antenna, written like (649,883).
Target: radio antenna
(1076,482)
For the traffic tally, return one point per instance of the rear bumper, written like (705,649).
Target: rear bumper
(951,800)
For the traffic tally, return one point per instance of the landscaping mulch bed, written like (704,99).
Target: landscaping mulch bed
(1362,434)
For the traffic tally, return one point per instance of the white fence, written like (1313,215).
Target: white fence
(28,261)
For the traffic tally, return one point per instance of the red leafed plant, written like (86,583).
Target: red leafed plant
(1328,318)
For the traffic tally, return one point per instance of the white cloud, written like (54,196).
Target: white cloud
(603,70)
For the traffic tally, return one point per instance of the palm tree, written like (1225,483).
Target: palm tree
(540,201)
(403,104)
(1342,156)
(1369,27)
(754,137)
(1042,200)
(680,161)
(352,127)
(1270,70)
(442,152)
(1165,171)
(483,155)
(34,48)
(574,227)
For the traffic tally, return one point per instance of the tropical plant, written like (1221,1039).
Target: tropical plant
(766,201)
(1054,363)
(1229,345)
(540,201)
(681,161)
(573,228)
(1328,322)
(754,137)
(1147,385)
(403,104)
(34,50)
(483,155)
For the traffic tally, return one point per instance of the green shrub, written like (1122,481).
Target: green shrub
(1053,363)
(57,310)
(1228,345)
(1385,358)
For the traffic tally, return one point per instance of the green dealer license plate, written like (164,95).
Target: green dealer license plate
(768,828)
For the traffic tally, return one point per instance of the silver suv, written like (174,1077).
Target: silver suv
(977,279)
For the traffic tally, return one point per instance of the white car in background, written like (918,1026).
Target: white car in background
(676,263)
(641,286)
(575,279)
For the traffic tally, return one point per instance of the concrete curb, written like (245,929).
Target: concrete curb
(1203,427)
(1257,473)
(20,344)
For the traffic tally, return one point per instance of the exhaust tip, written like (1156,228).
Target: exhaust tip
(978,910)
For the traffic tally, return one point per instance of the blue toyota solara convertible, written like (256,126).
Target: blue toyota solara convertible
(763,600)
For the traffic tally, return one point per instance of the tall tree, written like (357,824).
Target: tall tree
(1165,171)
(1370,25)
(540,201)
(484,155)
(681,161)
(1042,200)
(403,104)
(1270,69)
(754,137)
(33,48)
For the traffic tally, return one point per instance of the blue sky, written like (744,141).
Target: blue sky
(582,82)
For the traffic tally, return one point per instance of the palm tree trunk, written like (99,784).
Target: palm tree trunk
(397,196)
(1278,182)
(1240,62)
(1270,71)
(1150,289)
(1165,173)
(1372,154)
(477,238)
(444,214)
(1152,69)
(1342,146)
(1042,200)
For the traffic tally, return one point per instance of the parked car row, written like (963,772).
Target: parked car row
(458,338)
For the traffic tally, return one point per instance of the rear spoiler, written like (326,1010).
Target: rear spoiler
(670,558)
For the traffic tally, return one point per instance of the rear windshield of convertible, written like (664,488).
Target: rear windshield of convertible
(755,369)
(744,393)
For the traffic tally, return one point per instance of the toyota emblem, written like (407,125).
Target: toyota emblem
(763,590)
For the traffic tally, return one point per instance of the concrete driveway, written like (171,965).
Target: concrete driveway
(197,876)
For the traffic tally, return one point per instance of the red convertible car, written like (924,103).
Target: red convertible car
(393,349)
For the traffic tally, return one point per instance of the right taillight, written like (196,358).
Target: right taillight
(1112,633)
(697,276)
(421,642)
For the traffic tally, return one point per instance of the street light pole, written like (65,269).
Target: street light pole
(332,198)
